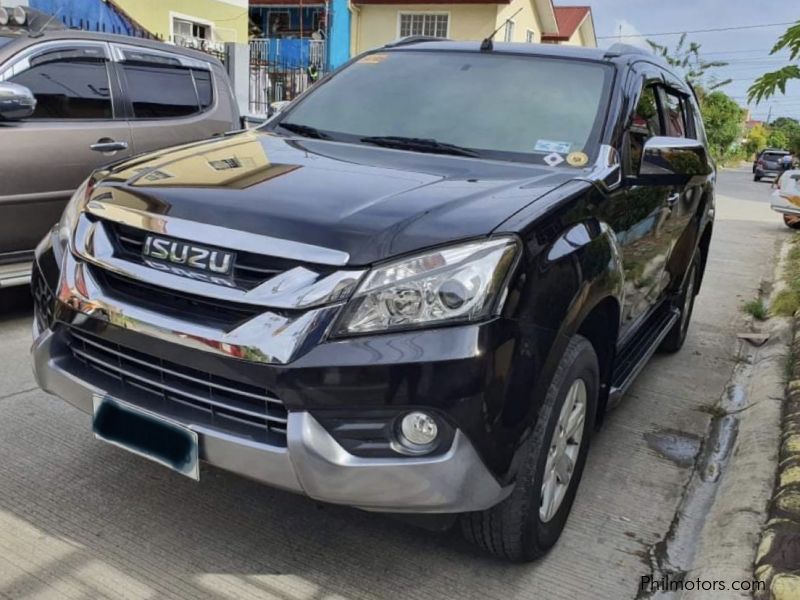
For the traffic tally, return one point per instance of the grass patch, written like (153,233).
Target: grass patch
(756,309)
(787,301)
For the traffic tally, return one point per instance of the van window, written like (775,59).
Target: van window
(204,91)
(68,87)
(160,92)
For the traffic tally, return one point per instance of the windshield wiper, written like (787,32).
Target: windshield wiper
(304,130)
(419,144)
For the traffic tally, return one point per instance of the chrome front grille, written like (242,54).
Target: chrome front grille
(220,313)
(250,270)
(43,299)
(188,395)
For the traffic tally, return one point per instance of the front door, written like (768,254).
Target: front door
(641,215)
(44,158)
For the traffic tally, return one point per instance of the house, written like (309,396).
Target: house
(376,22)
(186,22)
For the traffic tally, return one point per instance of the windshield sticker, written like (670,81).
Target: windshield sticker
(577,159)
(372,59)
(551,146)
(554,159)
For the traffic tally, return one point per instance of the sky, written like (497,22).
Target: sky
(747,50)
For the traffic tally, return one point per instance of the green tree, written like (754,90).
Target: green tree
(785,123)
(756,139)
(786,131)
(687,58)
(777,139)
(768,84)
(723,119)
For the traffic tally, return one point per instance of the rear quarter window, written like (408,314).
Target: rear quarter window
(167,92)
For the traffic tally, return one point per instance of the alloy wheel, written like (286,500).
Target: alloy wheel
(563,452)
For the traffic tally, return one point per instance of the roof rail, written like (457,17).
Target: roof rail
(414,39)
(620,49)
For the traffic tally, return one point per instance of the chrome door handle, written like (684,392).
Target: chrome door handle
(108,145)
(672,199)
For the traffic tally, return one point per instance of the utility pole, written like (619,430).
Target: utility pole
(769,114)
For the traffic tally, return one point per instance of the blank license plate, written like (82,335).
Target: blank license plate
(147,434)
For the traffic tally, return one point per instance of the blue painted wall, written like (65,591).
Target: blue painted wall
(94,15)
(339,36)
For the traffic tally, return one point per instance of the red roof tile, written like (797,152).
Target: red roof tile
(568,19)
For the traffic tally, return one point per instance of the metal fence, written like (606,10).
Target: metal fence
(215,49)
(282,69)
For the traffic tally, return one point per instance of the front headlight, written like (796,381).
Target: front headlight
(459,283)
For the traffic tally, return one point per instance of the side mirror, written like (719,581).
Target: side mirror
(674,161)
(16,102)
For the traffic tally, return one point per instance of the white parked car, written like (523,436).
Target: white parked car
(786,198)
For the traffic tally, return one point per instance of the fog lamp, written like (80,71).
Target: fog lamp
(19,15)
(418,431)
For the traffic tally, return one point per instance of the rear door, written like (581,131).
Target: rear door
(170,99)
(44,158)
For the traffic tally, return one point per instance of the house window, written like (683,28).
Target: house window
(530,36)
(509,32)
(430,24)
(183,29)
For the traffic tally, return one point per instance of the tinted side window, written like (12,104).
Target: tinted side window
(160,92)
(674,120)
(204,90)
(644,125)
(68,88)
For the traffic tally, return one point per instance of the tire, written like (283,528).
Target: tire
(685,304)
(790,223)
(756,177)
(515,529)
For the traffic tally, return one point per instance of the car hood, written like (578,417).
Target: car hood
(372,203)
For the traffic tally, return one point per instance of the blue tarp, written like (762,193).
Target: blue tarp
(292,51)
(94,15)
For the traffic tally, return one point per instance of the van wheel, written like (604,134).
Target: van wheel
(685,303)
(529,522)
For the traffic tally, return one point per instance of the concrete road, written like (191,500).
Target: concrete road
(81,519)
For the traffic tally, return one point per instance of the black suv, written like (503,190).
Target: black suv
(415,290)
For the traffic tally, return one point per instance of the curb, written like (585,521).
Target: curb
(777,561)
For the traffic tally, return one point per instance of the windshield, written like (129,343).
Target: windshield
(497,105)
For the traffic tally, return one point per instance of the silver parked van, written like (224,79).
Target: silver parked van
(72,101)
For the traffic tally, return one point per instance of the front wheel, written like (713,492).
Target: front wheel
(791,222)
(756,177)
(529,522)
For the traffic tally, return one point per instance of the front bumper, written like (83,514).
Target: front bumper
(313,462)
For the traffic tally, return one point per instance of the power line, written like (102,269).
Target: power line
(737,28)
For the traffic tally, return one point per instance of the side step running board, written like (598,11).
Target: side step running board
(635,355)
(15,274)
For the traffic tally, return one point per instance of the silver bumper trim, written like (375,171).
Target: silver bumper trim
(313,463)
(786,209)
